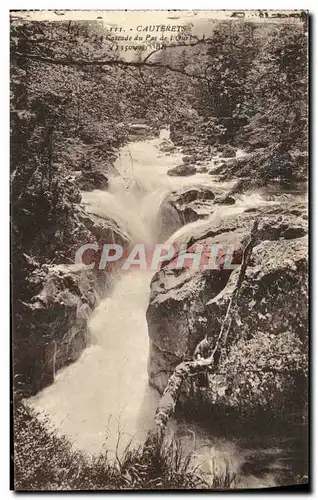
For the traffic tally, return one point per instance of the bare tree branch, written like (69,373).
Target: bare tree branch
(109,62)
(175,45)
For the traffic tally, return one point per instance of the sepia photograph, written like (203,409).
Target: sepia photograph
(159,250)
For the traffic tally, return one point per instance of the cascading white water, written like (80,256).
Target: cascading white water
(106,393)
(107,389)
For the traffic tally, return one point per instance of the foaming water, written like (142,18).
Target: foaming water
(134,197)
(243,202)
(125,210)
(240,457)
(106,392)
(105,395)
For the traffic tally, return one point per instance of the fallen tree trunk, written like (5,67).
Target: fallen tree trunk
(169,399)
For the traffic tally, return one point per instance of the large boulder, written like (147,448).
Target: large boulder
(183,206)
(267,352)
(227,151)
(176,317)
(55,331)
(182,170)
(178,299)
(278,220)
(188,304)
(90,180)
(105,230)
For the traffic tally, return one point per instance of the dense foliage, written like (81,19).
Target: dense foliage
(253,94)
(249,88)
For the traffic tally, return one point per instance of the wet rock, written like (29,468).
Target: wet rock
(240,186)
(57,323)
(90,180)
(182,207)
(104,230)
(168,222)
(218,169)
(202,170)
(187,159)
(225,200)
(278,220)
(185,306)
(227,151)
(189,194)
(196,210)
(182,170)
(167,146)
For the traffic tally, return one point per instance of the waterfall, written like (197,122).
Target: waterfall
(135,195)
(105,396)
(106,392)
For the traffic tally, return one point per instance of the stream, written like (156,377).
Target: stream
(103,400)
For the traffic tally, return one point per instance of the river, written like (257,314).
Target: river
(104,400)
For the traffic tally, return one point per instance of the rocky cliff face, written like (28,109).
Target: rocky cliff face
(266,361)
(103,230)
(51,329)
(52,297)
(55,331)
(266,352)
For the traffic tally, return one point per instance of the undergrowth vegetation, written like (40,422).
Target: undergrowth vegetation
(45,460)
